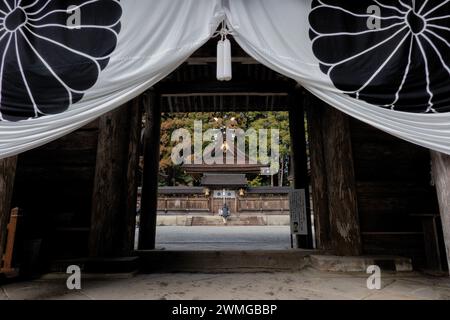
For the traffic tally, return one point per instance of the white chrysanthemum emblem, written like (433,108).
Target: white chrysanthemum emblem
(46,65)
(403,64)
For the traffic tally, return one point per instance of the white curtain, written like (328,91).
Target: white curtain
(55,79)
(154,38)
(277,34)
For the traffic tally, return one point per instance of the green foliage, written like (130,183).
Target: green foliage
(171,175)
(256,182)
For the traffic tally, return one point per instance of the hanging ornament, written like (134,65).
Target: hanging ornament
(227,69)
(224,63)
(220,60)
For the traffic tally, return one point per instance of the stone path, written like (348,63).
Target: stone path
(306,284)
(223,238)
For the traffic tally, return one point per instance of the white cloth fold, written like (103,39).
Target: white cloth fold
(155,36)
(276,33)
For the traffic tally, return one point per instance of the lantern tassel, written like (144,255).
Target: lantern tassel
(227,68)
(224,61)
(220,61)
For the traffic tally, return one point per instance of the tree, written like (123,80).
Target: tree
(173,175)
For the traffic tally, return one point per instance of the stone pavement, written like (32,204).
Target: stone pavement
(306,284)
(223,238)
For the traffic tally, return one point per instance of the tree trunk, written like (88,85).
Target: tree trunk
(281,173)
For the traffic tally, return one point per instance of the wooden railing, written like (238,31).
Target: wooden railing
(263,203)
(179,200)
(185,204)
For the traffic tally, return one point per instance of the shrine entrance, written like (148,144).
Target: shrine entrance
(360,195)
(194,89)
(225,199)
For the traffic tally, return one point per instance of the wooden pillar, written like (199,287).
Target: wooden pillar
(315,110)
(7,176)
(149,201)
(132,175)
(342,200)
(115,186)
(299,160)
(441,173)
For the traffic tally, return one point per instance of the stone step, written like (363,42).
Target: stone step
(223,261)
(264,261)
(231,221)
(360,264)
(236,261)
(206,220)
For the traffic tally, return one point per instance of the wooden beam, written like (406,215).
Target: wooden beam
(299,161)
(115,184)
(315,110)
(342,200)
(7,176)
(441,174)
(225,87)
(149,201)
(213,60)
(209,49)
(229,102)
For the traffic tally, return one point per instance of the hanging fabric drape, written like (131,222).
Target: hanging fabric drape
(66,62)
(57,75)
(395,76)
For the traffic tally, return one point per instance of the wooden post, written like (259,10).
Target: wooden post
(342,201)
(7,257)
(315,111)
(149,201)
(441,173)
(299,160)
(132,175)
(7,176)
(115,186)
